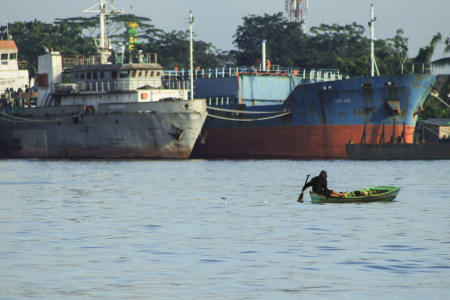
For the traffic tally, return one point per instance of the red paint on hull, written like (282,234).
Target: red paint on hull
(302,142)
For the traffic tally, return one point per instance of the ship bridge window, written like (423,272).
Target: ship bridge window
(95,75)
(12,55)
(82,76)
(158,74)
(102,75)
(4,56)
(152,73)
(146,73)
(124,74)
(88,76)
(140,74)
(133,73)
(114,75)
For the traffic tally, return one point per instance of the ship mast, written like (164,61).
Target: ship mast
(191,52)
(104,10)
(7,31)
(373,63)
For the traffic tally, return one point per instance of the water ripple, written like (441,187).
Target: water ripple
(205,229)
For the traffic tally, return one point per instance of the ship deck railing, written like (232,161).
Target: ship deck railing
(70,62)
(417,68)
(310,74)
(116,86)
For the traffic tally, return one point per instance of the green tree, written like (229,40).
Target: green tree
(445,61)
(427,52)
(33,38)
(326,46)
(336,46)
(400,44)
(284,40)
(433,108)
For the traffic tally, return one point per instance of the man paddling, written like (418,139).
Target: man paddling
(319,186)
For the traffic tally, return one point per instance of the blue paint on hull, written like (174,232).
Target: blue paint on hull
(333,112)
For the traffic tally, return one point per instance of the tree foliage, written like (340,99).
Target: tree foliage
(33,38)
(433,108)
(426,52)
(343,47)
(326,46)
(445,61)
(284,39)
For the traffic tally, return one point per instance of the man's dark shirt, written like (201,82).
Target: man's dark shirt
(319,185)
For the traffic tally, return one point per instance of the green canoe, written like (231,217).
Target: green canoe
(378,193)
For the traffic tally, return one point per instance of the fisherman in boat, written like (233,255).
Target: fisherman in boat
(319,186)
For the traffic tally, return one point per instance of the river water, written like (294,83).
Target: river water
(221,229)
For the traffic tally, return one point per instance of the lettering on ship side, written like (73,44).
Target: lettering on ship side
(339,101)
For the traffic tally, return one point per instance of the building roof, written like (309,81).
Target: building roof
(8,45)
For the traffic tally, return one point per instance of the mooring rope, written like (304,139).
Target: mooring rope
(11,118)
(240,111)
(242,120)
(18,119)
(430,129)
(435,95)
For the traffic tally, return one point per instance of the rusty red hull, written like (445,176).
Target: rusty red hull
(302,142)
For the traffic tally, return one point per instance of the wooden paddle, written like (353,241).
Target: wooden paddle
(300,198)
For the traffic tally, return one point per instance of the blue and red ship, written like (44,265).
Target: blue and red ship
(249,119)
(301,114)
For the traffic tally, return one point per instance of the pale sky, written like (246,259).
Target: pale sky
(216,21)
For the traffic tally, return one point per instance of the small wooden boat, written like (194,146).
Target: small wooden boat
(378,193)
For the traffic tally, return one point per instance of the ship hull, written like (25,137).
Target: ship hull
(117,130)
(322,119)
(284,142)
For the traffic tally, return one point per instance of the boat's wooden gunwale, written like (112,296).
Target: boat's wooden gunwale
(389,194)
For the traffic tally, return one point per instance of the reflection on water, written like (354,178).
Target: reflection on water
(220,229)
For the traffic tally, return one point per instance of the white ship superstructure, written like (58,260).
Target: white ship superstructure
(12,79)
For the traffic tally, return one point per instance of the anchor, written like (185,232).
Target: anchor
(178,133)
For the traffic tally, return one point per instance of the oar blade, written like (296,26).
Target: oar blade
(300,198)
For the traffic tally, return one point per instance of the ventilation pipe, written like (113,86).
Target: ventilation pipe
(264,55)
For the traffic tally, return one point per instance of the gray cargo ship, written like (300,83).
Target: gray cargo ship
(109,110)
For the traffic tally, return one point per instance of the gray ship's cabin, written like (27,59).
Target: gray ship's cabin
(123,73)
(135,80)
(118,77)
